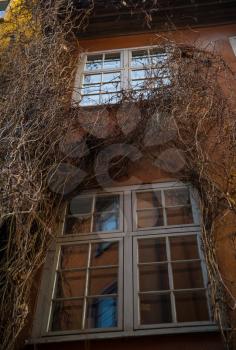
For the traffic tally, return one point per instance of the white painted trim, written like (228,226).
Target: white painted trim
(232,41)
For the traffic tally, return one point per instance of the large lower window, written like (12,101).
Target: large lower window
(127,262)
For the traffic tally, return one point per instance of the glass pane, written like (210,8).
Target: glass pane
(101,312)
(152,250)
(140,74)
(107,203)
(150,218)
(158,57)
(67,315)
(155,308)
(75,226)
(103,281)
(179,216)
(153,277)
(112,60)
(187,275)
(94,62)
(111,77)
(80,205)
(177,197)
(110,98)
(91,89)
(191,306)
(146,200)
(92,78)
(91,100)
(106,222)
(104,254)
(74,256)
(111,87)
(139,84)
(139,58)
(70,284)
(184,248)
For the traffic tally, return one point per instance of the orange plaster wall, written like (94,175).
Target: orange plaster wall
(144,172)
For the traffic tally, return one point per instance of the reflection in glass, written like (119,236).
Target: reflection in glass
(179,215)
(103,281)
(106,222)
(107,203)
(112,60)
(74,256)
(153,277)
(149,200)
(104,254)
(77,225)
(67,315)
(94,62)
(90,100)
(139,58)
(70,284)
(187,275)
(111,77)
(81,205)
(91,89)
(191,306)
(155,308)
(101,312)
(184,248)
(177,197)
(150,218)
(152,250)
(92,78)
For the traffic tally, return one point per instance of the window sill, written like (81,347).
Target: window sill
(211,327)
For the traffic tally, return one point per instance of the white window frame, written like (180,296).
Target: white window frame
(128,324)
(232,41)
(125,69)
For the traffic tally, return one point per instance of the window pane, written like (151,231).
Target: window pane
(91,100)
(103,281)
(150,218)
(104,254)
(191,306)
(155,308)
(67,315)
(107,203)
(112,60)
(179,216)
(153,277)
(74,256)
(91,89)
(184,248)
(111,77)
(106,222)
(110,98)
(80,205)
(177,197)
(92,78)
(139,84)
(187,275)
(146,200)
(75,226)
(111,87)
(101,312)
(140,74)
(139,58)
(157,56)
(152,250)
(70,284)
(94,62)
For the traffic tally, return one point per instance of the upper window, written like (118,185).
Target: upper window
(105,75)
(3,6)
(128,261)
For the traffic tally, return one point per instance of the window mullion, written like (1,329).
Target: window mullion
(125,83)
(171,281)
(86,287)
